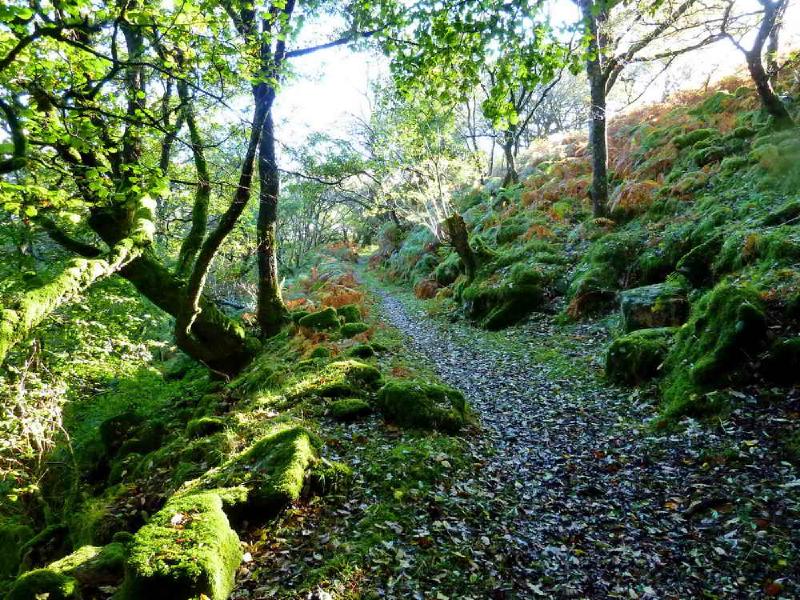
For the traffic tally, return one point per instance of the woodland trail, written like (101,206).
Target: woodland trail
(606,506)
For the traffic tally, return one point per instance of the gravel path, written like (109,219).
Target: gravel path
(606,506)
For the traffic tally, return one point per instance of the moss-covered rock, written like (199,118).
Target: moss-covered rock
(204,426)
(88,567)
(637,356)
(330,476)
(349,330)
(338,379)
(362,351)
(725,327)
(422,405)
(43,583)
(598,276)
(272,470)
(187,549)
(495,304)
(94,566)
(695,265)
(321,320)
(348,409)
(320,352)
(296,315)
(350,313)
(116,430)
(691,138)
(658,305)
(448,270)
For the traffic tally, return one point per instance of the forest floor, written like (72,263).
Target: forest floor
(590,496)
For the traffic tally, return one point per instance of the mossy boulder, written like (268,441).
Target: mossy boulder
(495,304)
(448,270)
(350,313)
(320,352)
(44,583)
(349,330)
(337,380)
(362,351)
(348,409)
(321,320)
(658,305)
(188,549)
(726,327)
(204,426)
(598,277)
(691,138)
(696,264)
(422,405)
(330,476)
(272,470)
(296,315)
(88,567)
(637,356)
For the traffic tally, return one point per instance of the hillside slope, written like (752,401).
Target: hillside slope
(699,258)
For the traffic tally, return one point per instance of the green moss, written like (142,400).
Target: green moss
(423,405)
(337,379)
(349,330)
(348,409)
(12,536)
(498,303)
(204,426)
(448,270)
(89,566)
(657,305)
(187,549)
(321,320)
(691,138)
(351,313)
(725,325)
(320,352)
(597,278)
(93,565)
(296,315)
(362,351)
(637,356)
(330,476)
(273,470)
(695,265)
(43,583)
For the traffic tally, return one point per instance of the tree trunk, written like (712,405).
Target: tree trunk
(512,177)
(459,237)
(594,15)
(23,314)
(769,99)
(219,342)
(271,312)
(224,344)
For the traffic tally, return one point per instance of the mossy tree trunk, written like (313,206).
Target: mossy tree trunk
(770,24)
(595,15)
(509,150)
(457,233)
(28,310)
(271,312)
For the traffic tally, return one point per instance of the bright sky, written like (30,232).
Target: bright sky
(331,86)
